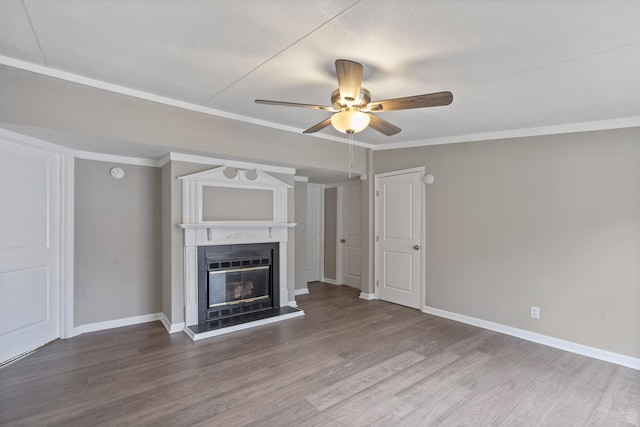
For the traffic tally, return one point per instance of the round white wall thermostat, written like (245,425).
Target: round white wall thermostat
(117,172)
(428,179)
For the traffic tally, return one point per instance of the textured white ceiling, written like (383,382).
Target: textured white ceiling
(512,65)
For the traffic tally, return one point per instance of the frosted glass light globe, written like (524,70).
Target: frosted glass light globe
(350,121)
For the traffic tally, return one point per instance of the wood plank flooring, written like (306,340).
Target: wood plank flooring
(347,362)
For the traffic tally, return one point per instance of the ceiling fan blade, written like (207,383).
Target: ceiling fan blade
(418,101)
(295,104)
(349,79)
(383,126)
(323,124)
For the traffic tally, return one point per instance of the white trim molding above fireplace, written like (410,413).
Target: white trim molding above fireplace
(198,232)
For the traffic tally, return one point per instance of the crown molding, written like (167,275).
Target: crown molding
(212,161)
(627,122)
(188,158)
(101,157)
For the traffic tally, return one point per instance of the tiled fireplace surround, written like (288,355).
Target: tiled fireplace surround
(198,232)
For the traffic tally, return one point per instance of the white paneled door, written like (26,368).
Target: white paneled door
(29,248)
(399,237)
(350,234)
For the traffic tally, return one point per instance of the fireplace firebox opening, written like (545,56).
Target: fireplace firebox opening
(234,280)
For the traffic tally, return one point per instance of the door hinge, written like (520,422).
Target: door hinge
(377,193)
(377,283)
(377,238)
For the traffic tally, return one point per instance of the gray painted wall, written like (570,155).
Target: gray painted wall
(300,232)
(117,242)
(330,224)
(550,221)
(231,204)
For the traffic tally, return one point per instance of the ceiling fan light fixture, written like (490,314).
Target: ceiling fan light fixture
(350,121)
(352,104)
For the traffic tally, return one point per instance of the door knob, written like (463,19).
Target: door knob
(416,247)
(342,240)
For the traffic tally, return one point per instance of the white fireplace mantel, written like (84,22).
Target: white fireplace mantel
(204,233)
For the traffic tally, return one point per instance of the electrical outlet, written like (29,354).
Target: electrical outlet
(535,312)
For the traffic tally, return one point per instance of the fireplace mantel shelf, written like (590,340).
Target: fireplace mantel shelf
(237,224)
(239,229)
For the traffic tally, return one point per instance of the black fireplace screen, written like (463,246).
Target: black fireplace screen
(234,280)
(239,285)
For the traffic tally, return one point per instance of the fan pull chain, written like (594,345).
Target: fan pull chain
(350,153)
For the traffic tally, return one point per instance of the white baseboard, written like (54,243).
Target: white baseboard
(302,291)
(596,353)
(293,304)
(117,323)
(368,297)
(329,281)
(171,328)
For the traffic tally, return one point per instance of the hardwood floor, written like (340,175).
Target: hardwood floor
(347,362)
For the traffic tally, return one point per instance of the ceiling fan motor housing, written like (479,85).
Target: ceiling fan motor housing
(364,98)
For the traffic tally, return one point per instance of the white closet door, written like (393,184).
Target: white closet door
(350,234)
(399,237)
(29,248)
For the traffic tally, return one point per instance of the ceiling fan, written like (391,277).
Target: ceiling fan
(352,106)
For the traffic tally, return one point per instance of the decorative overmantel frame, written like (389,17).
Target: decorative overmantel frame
(203,233)
(192,186)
